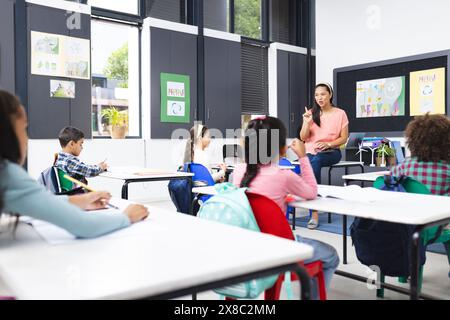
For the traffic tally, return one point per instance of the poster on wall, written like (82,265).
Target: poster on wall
(60,56)
(427,91)
(62,89)
(380,97)
(175,98)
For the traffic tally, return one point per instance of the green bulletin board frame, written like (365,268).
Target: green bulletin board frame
(175,100)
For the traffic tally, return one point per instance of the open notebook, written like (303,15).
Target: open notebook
(55,235)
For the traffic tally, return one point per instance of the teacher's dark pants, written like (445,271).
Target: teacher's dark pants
(323,159)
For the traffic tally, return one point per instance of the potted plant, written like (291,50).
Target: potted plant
(385,154)
(118,122)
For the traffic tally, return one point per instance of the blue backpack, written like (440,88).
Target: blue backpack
(231,207)
(385,244)
(179,192)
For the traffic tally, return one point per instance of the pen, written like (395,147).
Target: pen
(85,186)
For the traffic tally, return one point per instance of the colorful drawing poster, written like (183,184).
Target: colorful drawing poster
(380,97)
(427,91)
(175,98)
(62,89)
(60,56)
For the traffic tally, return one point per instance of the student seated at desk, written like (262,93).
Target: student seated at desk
(71,140)
(195,151)
(20,194)
(428,139)
(263,176)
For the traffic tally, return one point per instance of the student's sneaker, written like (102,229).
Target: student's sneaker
(313,224)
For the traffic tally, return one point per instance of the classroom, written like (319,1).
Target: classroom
(224,150)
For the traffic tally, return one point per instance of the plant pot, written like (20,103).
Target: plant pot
(378,161)
(118,132)
(392,161)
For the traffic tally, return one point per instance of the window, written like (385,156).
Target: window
(115,75)
(247,18)
(254,73)
(171,10)
(216,15)
(127,6)
(283,21)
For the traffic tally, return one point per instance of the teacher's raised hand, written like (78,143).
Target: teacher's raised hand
(307,116)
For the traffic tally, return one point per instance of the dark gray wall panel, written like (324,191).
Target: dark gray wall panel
(48,115)
(283,88)
(297,91)
(7,73)
(171,52)
(222,84)
(81,106)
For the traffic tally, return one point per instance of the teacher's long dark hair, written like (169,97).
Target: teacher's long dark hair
(316,108)
(9,144)
(257,129)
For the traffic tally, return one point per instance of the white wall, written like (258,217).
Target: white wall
(350,32)
(156,154)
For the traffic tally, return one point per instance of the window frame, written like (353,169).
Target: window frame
(130,20)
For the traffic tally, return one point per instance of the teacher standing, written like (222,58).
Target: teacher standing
(324,130)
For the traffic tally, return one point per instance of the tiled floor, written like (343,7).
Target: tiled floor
(436,281)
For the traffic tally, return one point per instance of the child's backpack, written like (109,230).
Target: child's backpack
(385,244)
(49,179)
(231,207)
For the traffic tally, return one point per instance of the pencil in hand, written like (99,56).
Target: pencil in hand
(85,186)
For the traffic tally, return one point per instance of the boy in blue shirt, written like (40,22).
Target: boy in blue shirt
(71,140)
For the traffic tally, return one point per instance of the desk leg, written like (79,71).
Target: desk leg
(362,171)
(329,183)
(125,190)
(293,220)
(344,238)
(415,266)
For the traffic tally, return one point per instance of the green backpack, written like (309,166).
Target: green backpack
(230,206)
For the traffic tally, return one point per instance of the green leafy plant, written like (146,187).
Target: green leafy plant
(115,117)
(386,150)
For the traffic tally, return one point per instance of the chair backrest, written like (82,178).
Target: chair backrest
(269,216)
(202,176)
(232,151)
(287,162)
(411,185)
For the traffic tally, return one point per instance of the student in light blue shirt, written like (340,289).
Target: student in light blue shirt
(20,194)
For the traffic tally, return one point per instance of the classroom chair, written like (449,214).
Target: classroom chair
(202,178)
(271,220)
(428,236)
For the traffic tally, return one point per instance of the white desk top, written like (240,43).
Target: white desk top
(407,208)
(339,164)
(128,173)
(167,252)
(368,176)
(231,168)
(347,163)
